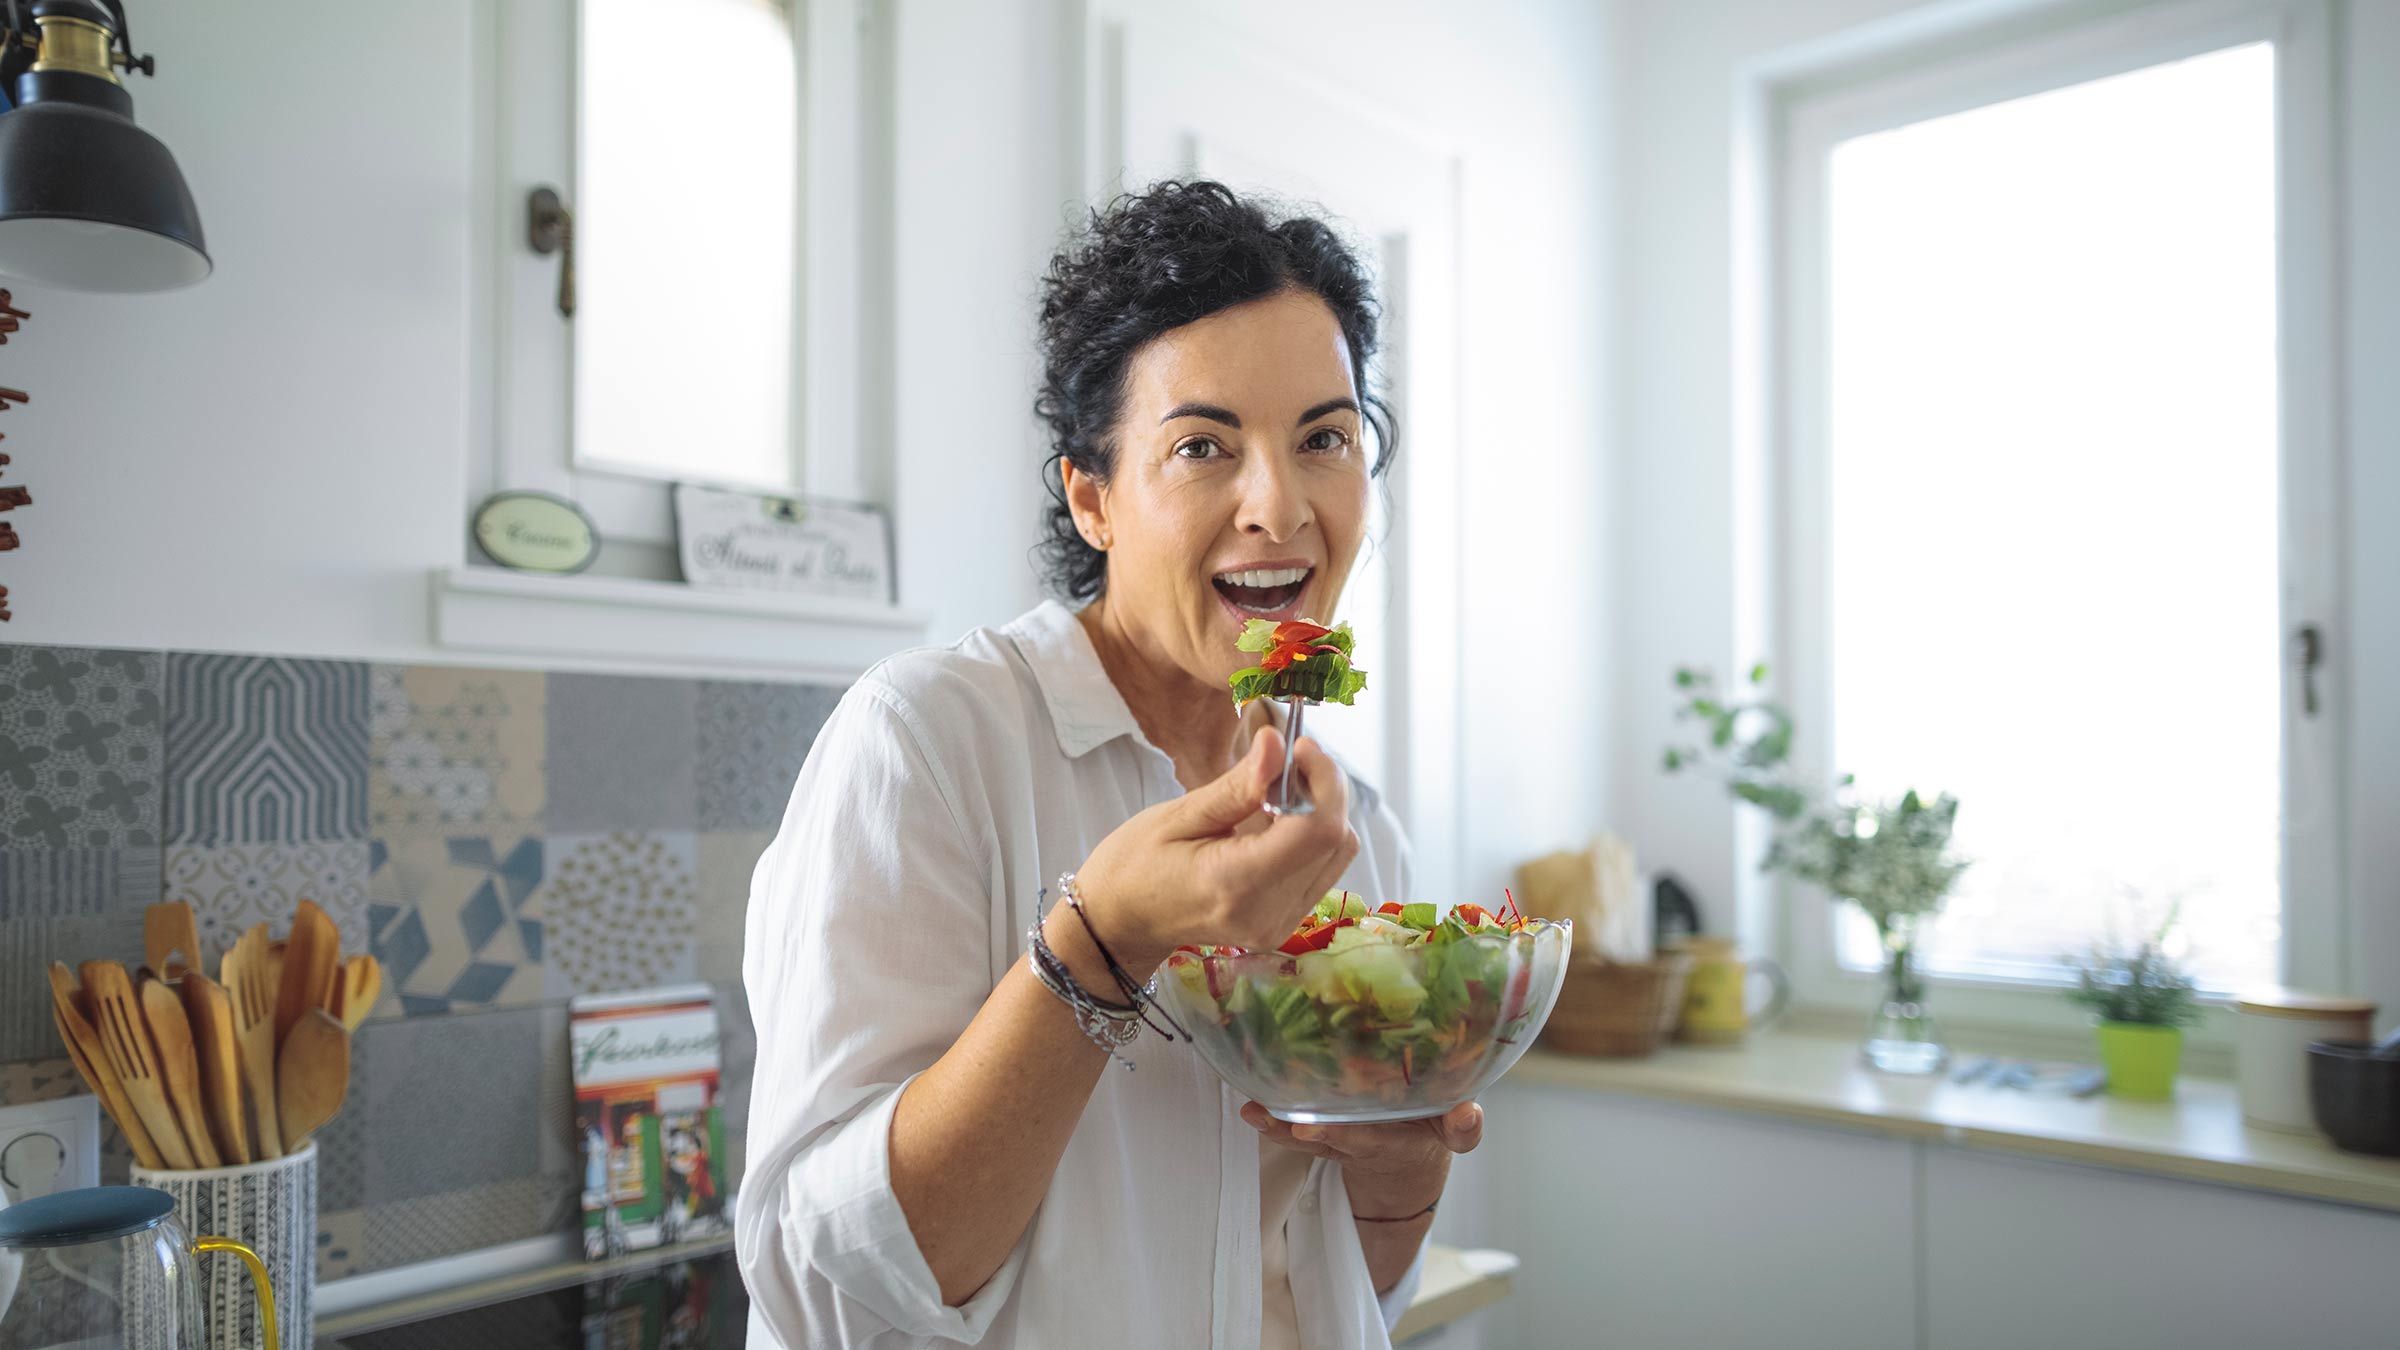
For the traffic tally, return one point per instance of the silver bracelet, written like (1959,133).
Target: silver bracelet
(1107,1025)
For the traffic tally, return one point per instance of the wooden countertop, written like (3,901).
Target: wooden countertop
(1814,1077)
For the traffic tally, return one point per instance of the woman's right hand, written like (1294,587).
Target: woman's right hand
(1188,871)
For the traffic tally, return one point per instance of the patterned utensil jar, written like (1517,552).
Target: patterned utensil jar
(271,1207)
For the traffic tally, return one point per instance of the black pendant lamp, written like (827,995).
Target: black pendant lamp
(88,200)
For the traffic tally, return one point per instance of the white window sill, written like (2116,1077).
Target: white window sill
(664,625)
(1816,1077)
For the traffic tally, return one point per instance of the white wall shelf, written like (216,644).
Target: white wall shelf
(635,624)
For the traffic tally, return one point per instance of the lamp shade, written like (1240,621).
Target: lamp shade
(88,200)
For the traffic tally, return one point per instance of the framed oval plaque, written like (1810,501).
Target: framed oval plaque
(536,532)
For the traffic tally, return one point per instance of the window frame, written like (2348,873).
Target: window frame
(533,97)
(1798,110)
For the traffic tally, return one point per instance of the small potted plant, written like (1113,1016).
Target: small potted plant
(2144,999)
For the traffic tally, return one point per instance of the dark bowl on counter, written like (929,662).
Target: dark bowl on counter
(2356,1096)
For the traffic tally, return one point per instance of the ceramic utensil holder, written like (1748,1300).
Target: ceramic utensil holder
(271,1207)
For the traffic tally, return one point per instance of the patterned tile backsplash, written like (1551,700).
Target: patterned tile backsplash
(501,840)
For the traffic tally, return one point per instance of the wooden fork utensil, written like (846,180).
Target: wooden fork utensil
(248,986)
(125,1038)
(91,1060)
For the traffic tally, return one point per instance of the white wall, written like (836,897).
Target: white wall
(1672,525)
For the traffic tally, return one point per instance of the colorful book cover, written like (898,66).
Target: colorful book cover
(648,1119)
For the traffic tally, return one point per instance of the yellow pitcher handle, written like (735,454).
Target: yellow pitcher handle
(258,1277)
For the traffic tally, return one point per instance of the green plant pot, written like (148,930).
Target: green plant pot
(2140,1059)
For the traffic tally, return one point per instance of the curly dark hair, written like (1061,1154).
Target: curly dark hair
(1157,260)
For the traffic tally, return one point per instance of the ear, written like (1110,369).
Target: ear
(1087,500)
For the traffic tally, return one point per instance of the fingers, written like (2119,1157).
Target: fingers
(1461,1129)
(1401,1142)
(1236,795)
(1328,786)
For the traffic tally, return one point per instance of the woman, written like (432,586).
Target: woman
(938,1151)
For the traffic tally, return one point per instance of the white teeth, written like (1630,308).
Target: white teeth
(1261,577)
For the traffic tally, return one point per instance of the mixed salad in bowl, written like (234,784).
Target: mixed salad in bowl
(1371,1012)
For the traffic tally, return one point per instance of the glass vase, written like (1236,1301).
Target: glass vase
(1902,1035)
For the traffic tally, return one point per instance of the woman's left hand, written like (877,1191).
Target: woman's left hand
(1393,1152)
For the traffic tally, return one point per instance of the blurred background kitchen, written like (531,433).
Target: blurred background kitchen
(1997,394)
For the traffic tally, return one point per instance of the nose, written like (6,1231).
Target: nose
(1272,503)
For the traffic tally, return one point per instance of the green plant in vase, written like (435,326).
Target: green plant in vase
(1891,859)
(2143,998)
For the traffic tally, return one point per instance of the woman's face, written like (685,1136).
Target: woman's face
(1241,482)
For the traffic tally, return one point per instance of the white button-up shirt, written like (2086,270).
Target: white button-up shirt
(948,789)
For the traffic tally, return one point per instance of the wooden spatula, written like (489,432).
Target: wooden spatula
(253,998)
(311,1074)
(125,1037)
(179,1068)
(170,940)
(83,1046)
(308,963)
(355,989)
(211,1014)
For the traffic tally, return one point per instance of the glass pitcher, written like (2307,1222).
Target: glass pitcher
(109,1266)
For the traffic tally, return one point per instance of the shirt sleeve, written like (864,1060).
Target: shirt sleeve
(869,948)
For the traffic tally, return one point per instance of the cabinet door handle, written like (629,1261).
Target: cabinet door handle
(550,228)
(2308,653)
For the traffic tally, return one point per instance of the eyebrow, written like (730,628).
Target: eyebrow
(1226,415)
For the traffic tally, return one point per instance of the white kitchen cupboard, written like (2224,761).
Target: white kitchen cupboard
(2026,1253)
(1663,1227)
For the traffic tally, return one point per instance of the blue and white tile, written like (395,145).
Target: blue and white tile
(621,752)
(46,883)
(451,1103)
(80,742)
(457,921)
(264,749)
(753,738)
(620,911)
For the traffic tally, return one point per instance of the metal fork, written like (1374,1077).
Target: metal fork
(1282,801)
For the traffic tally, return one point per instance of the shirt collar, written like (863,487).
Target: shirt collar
(1085,707)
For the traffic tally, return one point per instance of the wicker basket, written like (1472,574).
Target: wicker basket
(1625,1011)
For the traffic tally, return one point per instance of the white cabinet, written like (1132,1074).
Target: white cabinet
(1651,1227)
(2025,1253)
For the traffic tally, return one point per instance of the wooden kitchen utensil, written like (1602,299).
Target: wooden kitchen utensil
(179,1068)
(211,1013)
(309,959)
(126,1040)
(83,1046)
(356,988)
(169,929)
(245,972)
(311,1075)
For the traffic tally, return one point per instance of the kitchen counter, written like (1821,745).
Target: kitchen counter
(1814,1077)
(558,1304)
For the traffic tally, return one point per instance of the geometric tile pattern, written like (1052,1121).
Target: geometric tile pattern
(620,751)
(753,739)
(455,749)
(28,946)
(407,1231)
(232,886)
(457,921)
(52,883)
(264,749)
(619,911)
(79,747)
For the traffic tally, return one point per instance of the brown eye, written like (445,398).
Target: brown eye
(1199,447)
(1326,441)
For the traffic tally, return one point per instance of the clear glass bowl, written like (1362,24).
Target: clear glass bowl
(1340,1038)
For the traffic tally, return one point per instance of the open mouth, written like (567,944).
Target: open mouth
(1264,592)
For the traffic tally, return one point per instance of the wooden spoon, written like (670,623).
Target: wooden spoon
(83,1046)
(253,1000)
(211,1013)
(308,963)
(179,1068)
(125,1039)
(169,932)
(312,1074)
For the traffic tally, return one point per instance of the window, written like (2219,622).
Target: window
(2043,479)
(686,241)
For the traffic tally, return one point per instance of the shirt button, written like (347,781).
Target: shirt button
(1308,1202)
